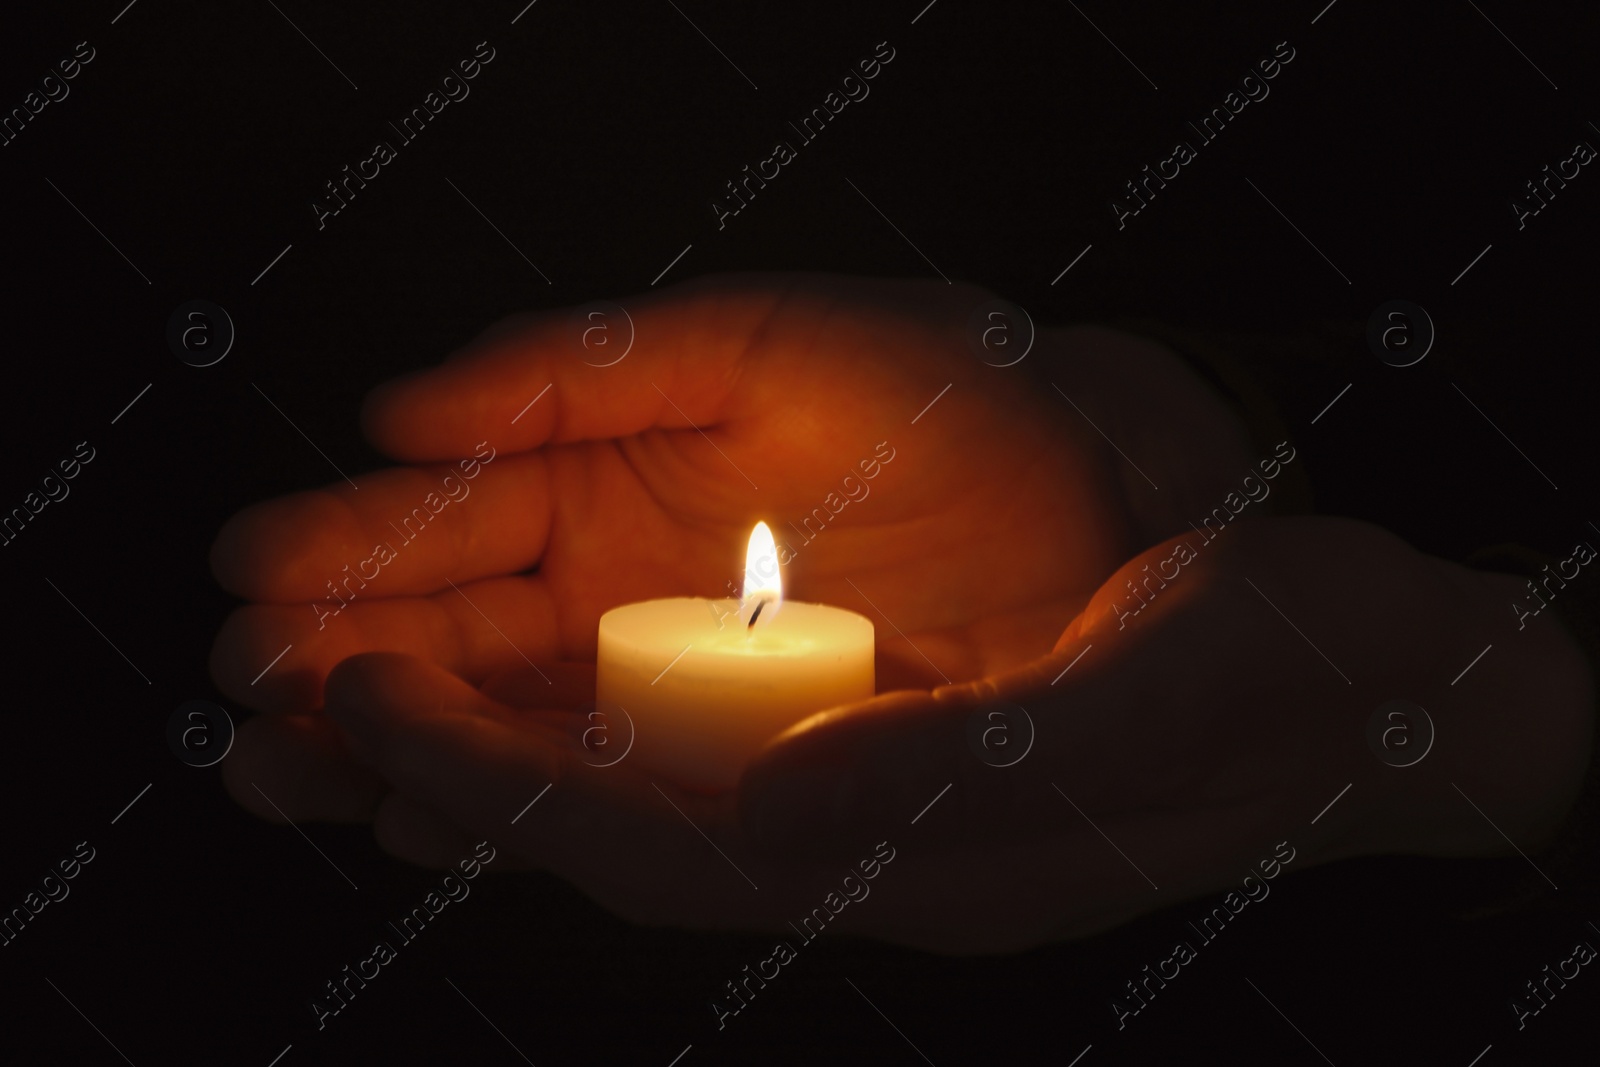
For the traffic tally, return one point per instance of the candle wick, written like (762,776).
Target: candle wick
(756,614)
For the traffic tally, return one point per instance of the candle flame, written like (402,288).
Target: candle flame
(763,585)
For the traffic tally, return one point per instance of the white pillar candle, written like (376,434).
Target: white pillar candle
(707,683)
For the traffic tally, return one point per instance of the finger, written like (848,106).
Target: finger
(559,685)
(418,834)
(880,763)
(527,383)
(404,532)
(274,657)
(297,767)
(447,745)
(633,844)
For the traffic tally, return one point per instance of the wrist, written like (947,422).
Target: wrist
(1515,736)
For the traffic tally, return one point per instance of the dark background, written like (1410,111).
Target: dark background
(596,139)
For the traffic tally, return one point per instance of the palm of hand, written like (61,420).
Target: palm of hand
(968,538)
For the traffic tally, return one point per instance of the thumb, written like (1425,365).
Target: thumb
(900,759)
(661,360)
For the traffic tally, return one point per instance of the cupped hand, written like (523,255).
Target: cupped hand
(1151,757)
(977,529)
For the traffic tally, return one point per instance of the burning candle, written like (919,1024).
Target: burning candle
(707,683)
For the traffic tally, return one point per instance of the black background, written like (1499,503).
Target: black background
(596,139)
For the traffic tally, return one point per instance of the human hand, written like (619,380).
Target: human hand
(1179,749)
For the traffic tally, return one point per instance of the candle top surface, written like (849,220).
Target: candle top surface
(791,629)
